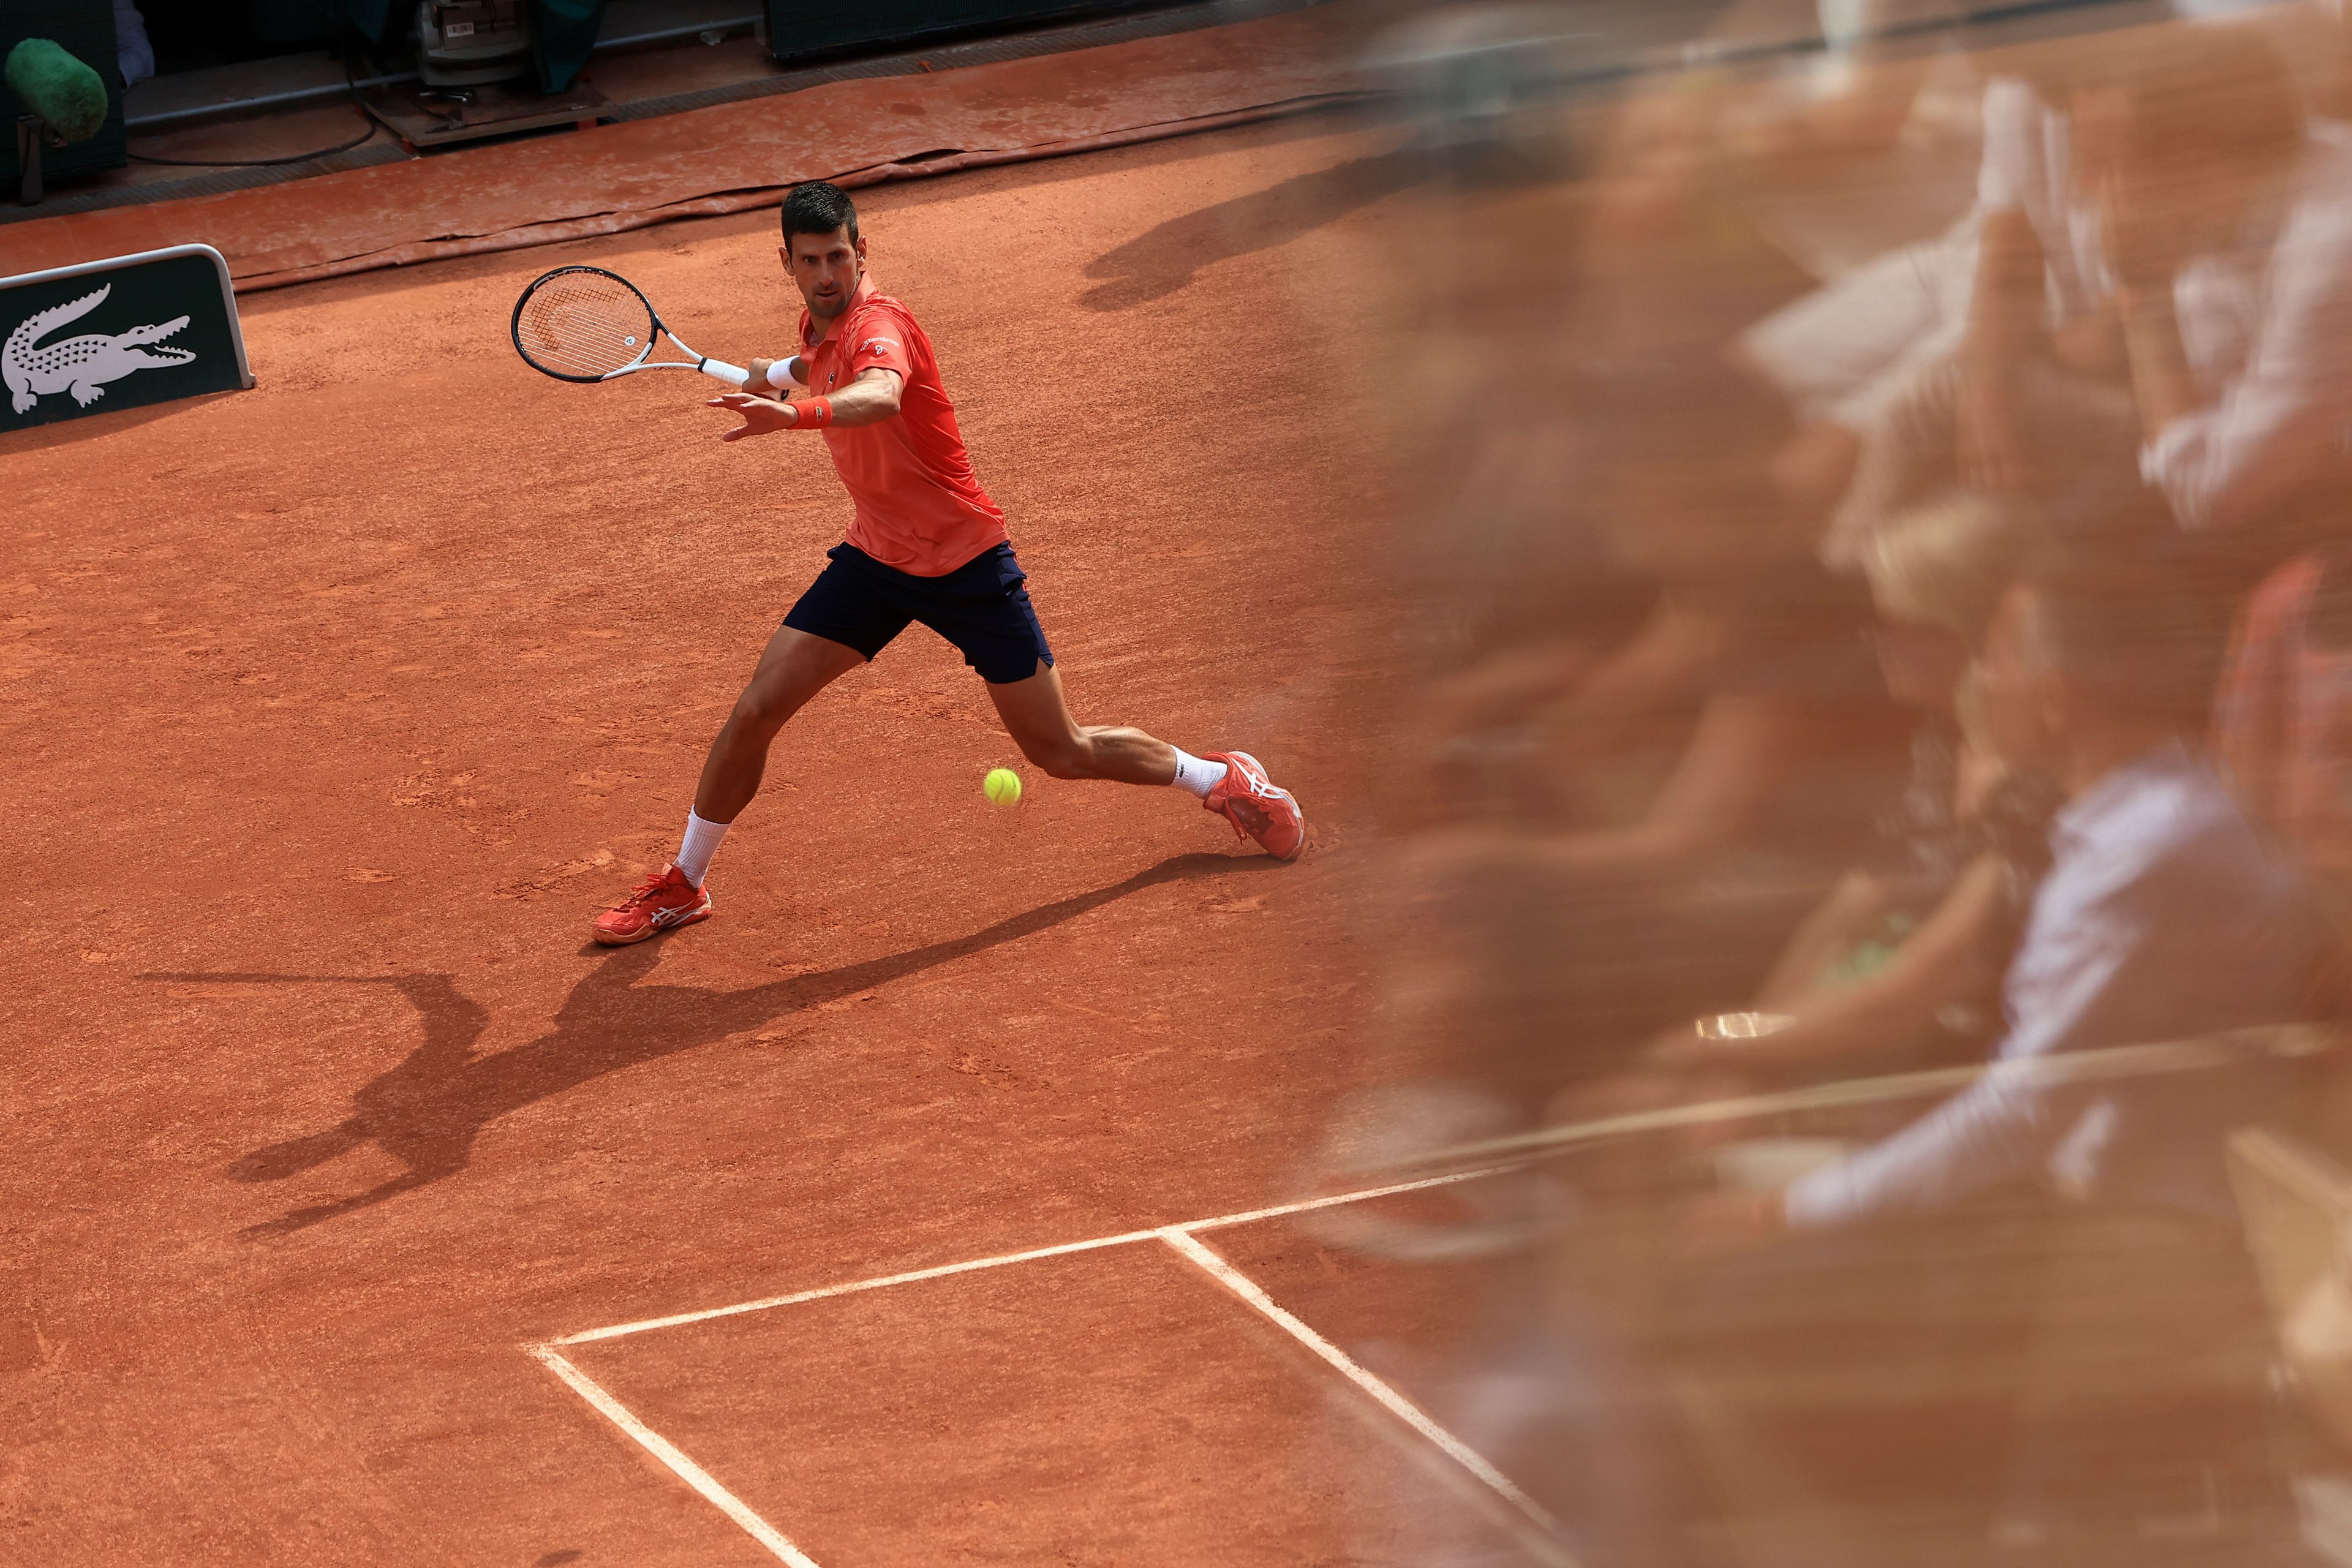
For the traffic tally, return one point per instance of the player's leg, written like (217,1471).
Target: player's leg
(983,607)
(1038,716)
(1233,784)
(837,624)
(796,666)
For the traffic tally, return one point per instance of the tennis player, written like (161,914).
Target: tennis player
(925,544)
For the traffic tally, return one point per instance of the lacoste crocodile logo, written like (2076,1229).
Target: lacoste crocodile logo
(83,366)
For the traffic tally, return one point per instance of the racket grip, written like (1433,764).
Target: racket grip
(732,374)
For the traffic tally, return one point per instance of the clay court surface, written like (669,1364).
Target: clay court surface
(335,710)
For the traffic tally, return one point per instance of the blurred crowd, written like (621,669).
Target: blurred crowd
(1897,675)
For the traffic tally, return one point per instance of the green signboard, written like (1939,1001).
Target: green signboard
(120,333)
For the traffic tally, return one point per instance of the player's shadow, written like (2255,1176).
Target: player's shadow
(1164,259)
(427,1111)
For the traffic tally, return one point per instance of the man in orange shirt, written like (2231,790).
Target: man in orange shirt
(925,544)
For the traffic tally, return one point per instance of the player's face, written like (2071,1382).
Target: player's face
(826,266)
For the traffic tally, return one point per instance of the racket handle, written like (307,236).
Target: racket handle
(732,374)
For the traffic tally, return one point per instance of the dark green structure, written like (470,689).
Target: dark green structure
(120,333)
(85,29)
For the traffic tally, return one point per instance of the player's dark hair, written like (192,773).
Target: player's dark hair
(818,208)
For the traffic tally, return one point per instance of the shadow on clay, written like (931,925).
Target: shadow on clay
(1162,260)
(28,438)
(427,1111)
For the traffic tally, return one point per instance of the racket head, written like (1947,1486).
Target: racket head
(583,324)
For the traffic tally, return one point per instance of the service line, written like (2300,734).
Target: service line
(589,1336)
(1496,1155)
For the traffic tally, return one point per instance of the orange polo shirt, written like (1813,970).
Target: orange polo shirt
(919,505)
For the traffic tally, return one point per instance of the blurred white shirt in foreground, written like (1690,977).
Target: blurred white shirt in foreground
(2163,917)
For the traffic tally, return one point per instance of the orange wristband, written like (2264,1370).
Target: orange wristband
(814,413)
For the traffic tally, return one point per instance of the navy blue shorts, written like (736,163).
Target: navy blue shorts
(981,607)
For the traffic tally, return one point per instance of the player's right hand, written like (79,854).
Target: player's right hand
(761,416)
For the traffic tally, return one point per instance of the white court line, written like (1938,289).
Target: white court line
(1546,1546)
(1250,1216)
(1500,1154)
(2172,1056)
(1541,1542)
(667,1452)
(588,1336)
(822,1291)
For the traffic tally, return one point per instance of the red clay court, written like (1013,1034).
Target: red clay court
(359,1212)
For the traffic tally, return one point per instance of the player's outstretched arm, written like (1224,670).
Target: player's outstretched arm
(782,374)
(870,399)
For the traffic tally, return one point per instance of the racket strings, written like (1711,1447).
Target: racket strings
(583,324)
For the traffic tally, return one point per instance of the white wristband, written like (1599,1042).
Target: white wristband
(780,374)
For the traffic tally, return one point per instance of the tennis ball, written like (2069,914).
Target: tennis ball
(1002,784)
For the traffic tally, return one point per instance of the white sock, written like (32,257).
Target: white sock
(701,843)
(1196,776)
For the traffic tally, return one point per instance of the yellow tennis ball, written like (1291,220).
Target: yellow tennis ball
(1002,784)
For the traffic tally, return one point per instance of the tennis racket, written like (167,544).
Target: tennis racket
(583,323)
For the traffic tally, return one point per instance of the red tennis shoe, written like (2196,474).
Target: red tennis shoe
(660,903)
(1256,806)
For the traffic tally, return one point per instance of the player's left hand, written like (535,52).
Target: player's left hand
(761,416)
